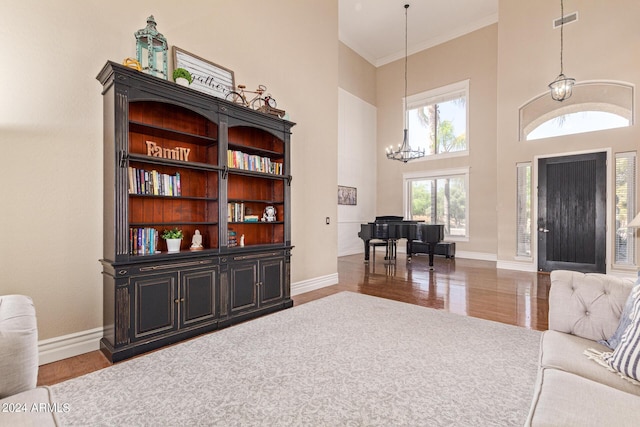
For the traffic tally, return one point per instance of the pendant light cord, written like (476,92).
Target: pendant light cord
(561,34)
(406,54)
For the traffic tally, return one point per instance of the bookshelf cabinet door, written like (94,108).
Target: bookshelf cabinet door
(244,286)
(154,307)
(199,296)
(271,280)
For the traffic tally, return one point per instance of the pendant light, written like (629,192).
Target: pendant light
(404,153)
(562,86)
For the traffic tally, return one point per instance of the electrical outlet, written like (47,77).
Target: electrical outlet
(327,221)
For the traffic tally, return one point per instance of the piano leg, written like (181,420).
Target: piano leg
(409,250)
(432,250)
(366,251)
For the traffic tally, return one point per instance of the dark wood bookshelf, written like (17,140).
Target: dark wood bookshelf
(166,166)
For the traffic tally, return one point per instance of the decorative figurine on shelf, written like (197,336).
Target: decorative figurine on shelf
(151,50)
(242,241)
(196,241)
(269,214)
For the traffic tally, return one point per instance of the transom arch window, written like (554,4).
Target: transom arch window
(593,106)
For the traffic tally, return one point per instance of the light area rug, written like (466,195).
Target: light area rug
(344,360)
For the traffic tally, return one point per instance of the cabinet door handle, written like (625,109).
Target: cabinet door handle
(178,300)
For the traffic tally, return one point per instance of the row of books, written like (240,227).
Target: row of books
(143,241)
(153,182)
(252,162)
(236,213)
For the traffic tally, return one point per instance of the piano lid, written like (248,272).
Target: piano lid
(389,218)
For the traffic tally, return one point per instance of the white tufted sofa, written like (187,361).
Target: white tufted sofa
(21,402)
(572,390)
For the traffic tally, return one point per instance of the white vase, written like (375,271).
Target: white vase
(173,245)
(182,81)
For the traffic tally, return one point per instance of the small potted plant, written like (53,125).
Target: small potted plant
(173,238)
(182,77)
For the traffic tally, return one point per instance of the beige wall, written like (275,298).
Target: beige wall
(602,45)
(51,129)
(473,57)
(356,75)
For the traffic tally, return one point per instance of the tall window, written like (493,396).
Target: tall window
(523,233)
(439,199)
(625,208)
(437,119)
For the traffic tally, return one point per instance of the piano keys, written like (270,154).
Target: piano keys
(392,228)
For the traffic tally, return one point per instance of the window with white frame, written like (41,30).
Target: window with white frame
(439,198)
(595,105)
(437,120)
(625,203)
(523,209)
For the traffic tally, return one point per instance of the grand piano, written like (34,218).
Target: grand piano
(392,228)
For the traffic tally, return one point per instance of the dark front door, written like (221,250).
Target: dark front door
(572,213)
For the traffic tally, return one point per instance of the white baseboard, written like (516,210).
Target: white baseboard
(58,348)
(480,256)
(313,284)
(516,265)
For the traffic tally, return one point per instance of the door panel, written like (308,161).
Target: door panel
(244,278)
(572,213)
(272,278)
(154,308)
(198,291)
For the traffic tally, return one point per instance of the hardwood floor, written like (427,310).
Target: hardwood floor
(462,286)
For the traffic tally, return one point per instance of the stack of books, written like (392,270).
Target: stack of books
(233,241)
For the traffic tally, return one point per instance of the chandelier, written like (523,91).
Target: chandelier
(562,86)
(404,153)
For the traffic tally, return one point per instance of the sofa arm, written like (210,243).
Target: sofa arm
(587,305)
(18,345)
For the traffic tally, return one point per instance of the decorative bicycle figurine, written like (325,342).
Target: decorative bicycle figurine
(257,102)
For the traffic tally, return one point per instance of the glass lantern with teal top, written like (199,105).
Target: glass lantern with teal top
(151,50)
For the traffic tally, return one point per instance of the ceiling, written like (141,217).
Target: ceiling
(375,28)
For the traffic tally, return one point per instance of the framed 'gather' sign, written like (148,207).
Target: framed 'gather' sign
(208,77)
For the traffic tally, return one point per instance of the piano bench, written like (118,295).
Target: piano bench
(376,243)
(447,249)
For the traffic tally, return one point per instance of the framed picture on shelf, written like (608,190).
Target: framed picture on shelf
(347,195)
(208,77)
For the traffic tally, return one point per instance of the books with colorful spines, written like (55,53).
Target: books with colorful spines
(178,186)
(251,218)
(232,241)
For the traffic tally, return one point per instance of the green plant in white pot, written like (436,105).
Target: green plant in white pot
(182,77)
(173,238)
